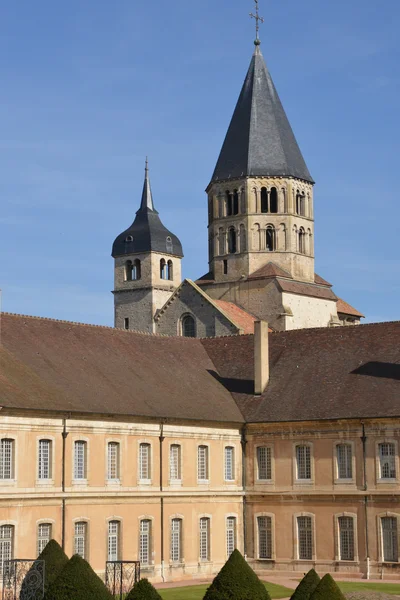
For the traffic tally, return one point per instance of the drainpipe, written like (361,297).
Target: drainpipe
(365,486)
(243,442)
(162,438)
(64,439)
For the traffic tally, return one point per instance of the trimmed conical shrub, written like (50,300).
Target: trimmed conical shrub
(306,586)
(327,589)
(143,590)
(55,560)
(77,581)
(236,581)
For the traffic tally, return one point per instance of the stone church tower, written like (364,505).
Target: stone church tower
(147,267)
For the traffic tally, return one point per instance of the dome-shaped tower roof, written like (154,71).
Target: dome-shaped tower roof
(147,233)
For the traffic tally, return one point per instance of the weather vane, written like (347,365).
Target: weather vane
(258,20)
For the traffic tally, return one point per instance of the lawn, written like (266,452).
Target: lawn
(359,586)
(196,592)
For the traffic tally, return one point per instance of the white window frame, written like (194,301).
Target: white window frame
(12,470)
(227,533)
(40,546)
(204,538)
(114,535)
(180,560)
(82,536)
(348,480)
(338,556)
(113,480)
(81,480)
(296,552)
(144,476)
(297,481)
(207,463)
(232,452)
(269,448)
(45,480)
(178,468)
(379,478)
(380,536)
(149,536)
(262,515)
(7,544)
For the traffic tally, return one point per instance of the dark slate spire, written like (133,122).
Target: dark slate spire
(147,233)
(260,141)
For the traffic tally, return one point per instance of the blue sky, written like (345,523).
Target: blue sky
(89,88)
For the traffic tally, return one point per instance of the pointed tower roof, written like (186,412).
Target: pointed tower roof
(260,140)
(147,233)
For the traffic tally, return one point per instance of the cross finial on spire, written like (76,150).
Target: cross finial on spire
(258,21)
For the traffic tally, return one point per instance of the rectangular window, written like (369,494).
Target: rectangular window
(175,462)
(204,538)
(80,538)
(6,459)
(80,460)
(44,467)
(229,463)
(230,535)
(144,461)
(264,525)
(390,539)
(176,538)
(113,540)
(344,457)
(304,531)
(264,467)
(202,463)
(113,461)
(303,461)
(126,323)
(44,536)
(346,538)
(6,545)
(387,461)
(144,542)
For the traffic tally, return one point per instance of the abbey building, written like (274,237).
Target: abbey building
(281,440)
(261,238)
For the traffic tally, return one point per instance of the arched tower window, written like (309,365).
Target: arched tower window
(270,238)
(136,270)
(128,270)
(232,246)
(264,200)
(302,241)
(221,241)
(188,326)
(273,200)
(235,202)
(163,269)
(242,233)
(229,203)
(170,270)
(300,203)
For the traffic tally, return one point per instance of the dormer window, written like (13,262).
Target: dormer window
(128,239)
(169,244)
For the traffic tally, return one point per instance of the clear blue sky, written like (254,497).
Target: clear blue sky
(89,88)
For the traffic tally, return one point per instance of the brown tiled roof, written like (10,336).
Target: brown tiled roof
(207,278)
(306,289)
(320,281)
(55,365)
(326,373)
(347,309)
(270,270)
(238,315)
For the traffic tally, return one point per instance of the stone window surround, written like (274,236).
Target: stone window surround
(151,549)
(81,519)
(303,482)
(380,536)
(379,479)
(209,517)
(337,538)
(148,481)
(256,536)
(80,482)
(50,480)
(295,537)
(336,479)
(264,481)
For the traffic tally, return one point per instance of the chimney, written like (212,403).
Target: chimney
(261,357)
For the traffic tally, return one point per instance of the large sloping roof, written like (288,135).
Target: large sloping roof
(260,140)
(61,366)
(326,373)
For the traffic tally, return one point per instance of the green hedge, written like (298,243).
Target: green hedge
(55,560)
(77,581)
(143,590)
(327,589)
(236,581)
(306,586)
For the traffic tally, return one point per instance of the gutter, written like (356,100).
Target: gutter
(63,509)
(365,487)
(243,442)
(161,439)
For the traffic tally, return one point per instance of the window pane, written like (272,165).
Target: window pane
(80,460)
(144,461)
(346,535)
(264,537)
(44,471)
(229,464)
(390,539)
(230,535)
(113,540)
(264,463)
(304,537)
(44,536)
(144,542)
(113,460)
(80,539)
(175,462)
(387,461)
(202,463)
(176,531)
(344,461)
(6,544)
(303,457)
(6,459)
(204,538)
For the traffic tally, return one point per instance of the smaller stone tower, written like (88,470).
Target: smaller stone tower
(147,267)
